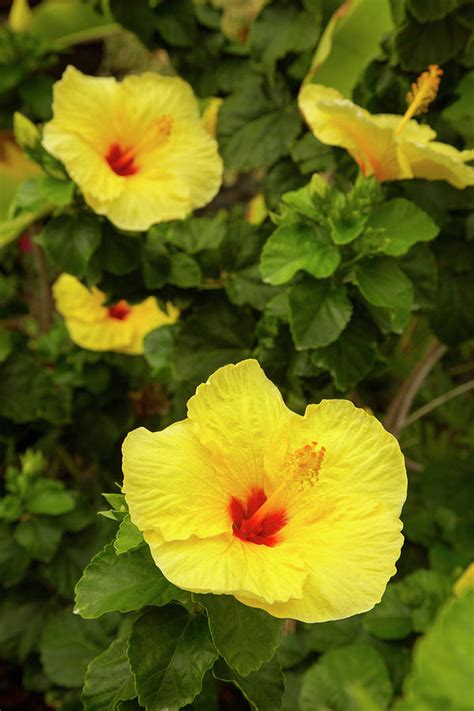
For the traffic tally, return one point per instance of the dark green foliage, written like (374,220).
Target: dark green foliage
(341,290)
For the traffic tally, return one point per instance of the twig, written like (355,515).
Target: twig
(401,404)
(45,301)
(440,400)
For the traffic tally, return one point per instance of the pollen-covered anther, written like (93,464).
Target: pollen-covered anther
(423,92)
(165,125)
(304,464)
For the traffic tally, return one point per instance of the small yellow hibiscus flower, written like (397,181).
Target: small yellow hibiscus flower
(136,148)
(296,515)
(119,327)
(389,146)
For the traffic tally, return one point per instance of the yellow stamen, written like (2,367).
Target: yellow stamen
(154,138)
(301,469)
(423,91)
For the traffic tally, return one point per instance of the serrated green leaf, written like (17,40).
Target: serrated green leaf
(442,671)
(256,126)
(296,246)
(70,241)
(319,312)
(108,679)
(382,283)
(390,618)
(122,583)
(68,644)
(335,679)
(128,536)
(352,356)
(170,651)
(263,689)
(40,537)
(245,636)
(403,223)
(48,497)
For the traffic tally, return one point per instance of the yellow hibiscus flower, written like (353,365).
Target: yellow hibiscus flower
(136,148)
(120,327)
(389,146)
(240,499)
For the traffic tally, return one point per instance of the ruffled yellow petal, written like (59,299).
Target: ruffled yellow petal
(439,161)
(171,485)
(226,565)
(76,301)
(465,582)
(106,335)
(350,552)
(360,454)
(239,415)
(339,122)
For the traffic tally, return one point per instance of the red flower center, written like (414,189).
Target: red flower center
(249,526)
(121,162)
(120,310)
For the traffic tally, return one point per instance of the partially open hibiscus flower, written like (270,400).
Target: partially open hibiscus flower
(136,148)
(297,515)
(119,327)
(388,146)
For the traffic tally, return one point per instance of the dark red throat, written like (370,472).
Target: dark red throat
(120,310)
(262,531)
(121,162)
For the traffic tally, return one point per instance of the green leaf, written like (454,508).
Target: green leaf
(296,246)
(40,537)
(349,43)
(14,560)
(263,689)
(319,312)
(441,676)
(68,644)
(11,229)
(346,228)
(421,268)
(256,125)
(49,497)
(70,241)
(452,318)
(382,283)
(122,583)
(391,618)
(279,30)
(421,44)
(351,358)
(212,336)
(170,651)
(119,253)
(195,234)
(26,133)
(459,113)
(336,677)
(159,347)
(245,287)
(425,10)
(57,192)
(329,635)
(184,271)
(21,622)
(128,536)
(108,679)
(245,636)
(403,224)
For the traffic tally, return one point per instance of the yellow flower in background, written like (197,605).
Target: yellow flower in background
(119,327)
(210,115)
(465,582)
(389,146)
(296,515)
(136,148)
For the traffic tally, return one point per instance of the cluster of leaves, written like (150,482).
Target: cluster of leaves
(338,290)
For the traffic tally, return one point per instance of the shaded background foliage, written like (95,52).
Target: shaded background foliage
(354,290)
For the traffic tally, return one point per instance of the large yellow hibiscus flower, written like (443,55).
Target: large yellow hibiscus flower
(136,148)
(119,327)
(296,515)
(389,146)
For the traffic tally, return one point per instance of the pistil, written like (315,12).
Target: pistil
(422,93)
